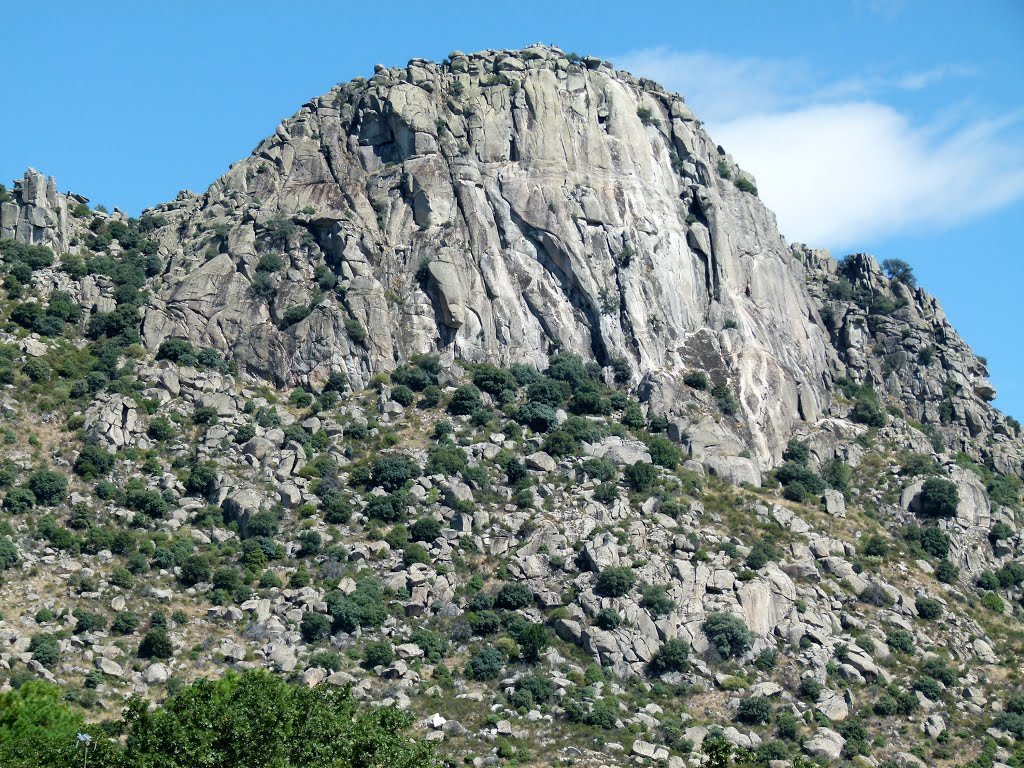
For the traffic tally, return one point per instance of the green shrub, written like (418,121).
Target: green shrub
(425,529)
(270,262)
(45,648)
(656,600)
(483,622)
(485,664)
(787,726)
(393,471)
(929,687)
(532,639)
(261,720)
(696,380)
(560,443)
(36,369)
(939,497)
(728,634)
(601,470)
(767,660)
(18,501)
(156,644)
(295,314)
(946,571)
(837,474)
(875,546)
(933,541)
(875,595)
(608,619)
(328,660)
(355,331)
(546,391)
(615,581)
(465,400)
(672,656)
(900,641)
(194,570)
(378,654)
(433,645)
(762,553)
(415,553)
(929,608)
(899,271)
(446,459)
(993,602)
(754,710)
(537,416)
(49,488)
(125,623)
(809,688)
(640,476)
(93,462)
(314,627)
(797,451)
(263,286)
(513,596)
(177,350)
(940,670)
(723,397)
(664,452)
(387,509)
(8,555)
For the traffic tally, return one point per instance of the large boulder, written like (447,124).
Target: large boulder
(734,469)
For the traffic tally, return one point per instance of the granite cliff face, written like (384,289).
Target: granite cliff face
(498,207)
(504,205)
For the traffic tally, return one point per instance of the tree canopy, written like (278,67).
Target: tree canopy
(249,720)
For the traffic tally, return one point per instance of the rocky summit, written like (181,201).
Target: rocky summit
(489,391)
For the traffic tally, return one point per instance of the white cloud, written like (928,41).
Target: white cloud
(836,164)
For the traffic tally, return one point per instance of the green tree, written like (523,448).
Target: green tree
(49,488)
(465,400)
(728,634)
(315,627)
(156,644)
(939,497)
(672,656)
(899,271)
(257,720)
(45,648)
(37,729)
(615,581)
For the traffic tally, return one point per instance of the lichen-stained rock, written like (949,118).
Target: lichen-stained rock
(38,214)
(498,218)
(113,421)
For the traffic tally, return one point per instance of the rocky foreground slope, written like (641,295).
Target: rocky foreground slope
(490,388)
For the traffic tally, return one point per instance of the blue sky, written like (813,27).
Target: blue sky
(893,127)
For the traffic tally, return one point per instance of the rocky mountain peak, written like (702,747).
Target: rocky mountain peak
(501,206)
(488,390)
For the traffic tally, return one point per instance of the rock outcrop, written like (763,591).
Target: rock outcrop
(500,206)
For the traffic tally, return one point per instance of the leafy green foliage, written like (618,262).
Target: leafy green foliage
(672,656)
(257,720)
(723,397)
(728,634)
(615,581)
(754,710)
(939,497)
(513,596)
(45,648)
(485,664)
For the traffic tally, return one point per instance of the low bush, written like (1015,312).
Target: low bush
(672,656)
(728,634)
(615,581)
